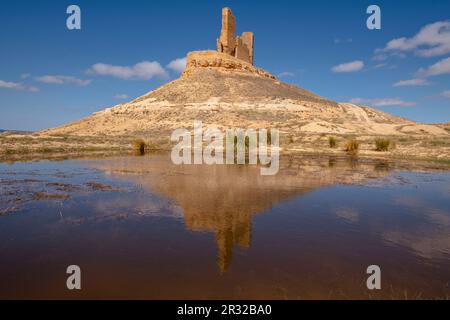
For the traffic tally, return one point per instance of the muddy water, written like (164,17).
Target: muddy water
(140,227)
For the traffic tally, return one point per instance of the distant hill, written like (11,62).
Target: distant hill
(15,131)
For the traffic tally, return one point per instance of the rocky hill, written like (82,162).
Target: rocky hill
(223,91)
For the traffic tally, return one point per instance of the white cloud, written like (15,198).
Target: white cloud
(63,80)
(383,65)
(32,89)
(383,56)
(380,56)
(11,85)
(338,40)
(382,102)
(349,66)
(17,86)
(411,83)
(285,74)
(432,40)
(121,96)
(446,94)
(177,65)
(25,75)
(440,67)
(380,66)
(144,70)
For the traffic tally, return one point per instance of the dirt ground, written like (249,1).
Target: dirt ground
(24,147)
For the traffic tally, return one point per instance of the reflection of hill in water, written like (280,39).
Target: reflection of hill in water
(223,198)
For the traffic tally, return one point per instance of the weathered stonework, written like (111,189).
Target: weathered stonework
(238,47)
(234,54)
(227,41)
(221,61)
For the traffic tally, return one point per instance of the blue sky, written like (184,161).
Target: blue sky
(50,75)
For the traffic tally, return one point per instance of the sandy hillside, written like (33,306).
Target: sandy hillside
(226,92)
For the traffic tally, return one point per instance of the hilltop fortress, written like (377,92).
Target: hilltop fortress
(238,47)
(233,53)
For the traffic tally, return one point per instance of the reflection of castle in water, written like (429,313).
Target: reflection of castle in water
(223,198)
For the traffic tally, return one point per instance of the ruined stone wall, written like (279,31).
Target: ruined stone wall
(227,40)
(228,43)
(223,62)
(242,51)
(248,40)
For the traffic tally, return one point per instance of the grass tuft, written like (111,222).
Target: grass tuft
(332,142)
(139,146)
(352,146)
(382,144)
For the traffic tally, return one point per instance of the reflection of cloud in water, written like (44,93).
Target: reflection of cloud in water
(408,201)
(348,214)
(429,237)
(440,217)
(426,243)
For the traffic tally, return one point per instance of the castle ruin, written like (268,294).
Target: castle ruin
(233,54)
(238,47)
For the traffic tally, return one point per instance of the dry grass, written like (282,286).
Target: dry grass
(139,145)
(382,144)
(332,142)
(352,146)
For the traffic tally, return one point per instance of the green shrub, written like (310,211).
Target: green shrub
(352,146)
(382,144)
(332,142)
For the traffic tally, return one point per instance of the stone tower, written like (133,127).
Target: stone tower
(227,41)
(239,47)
